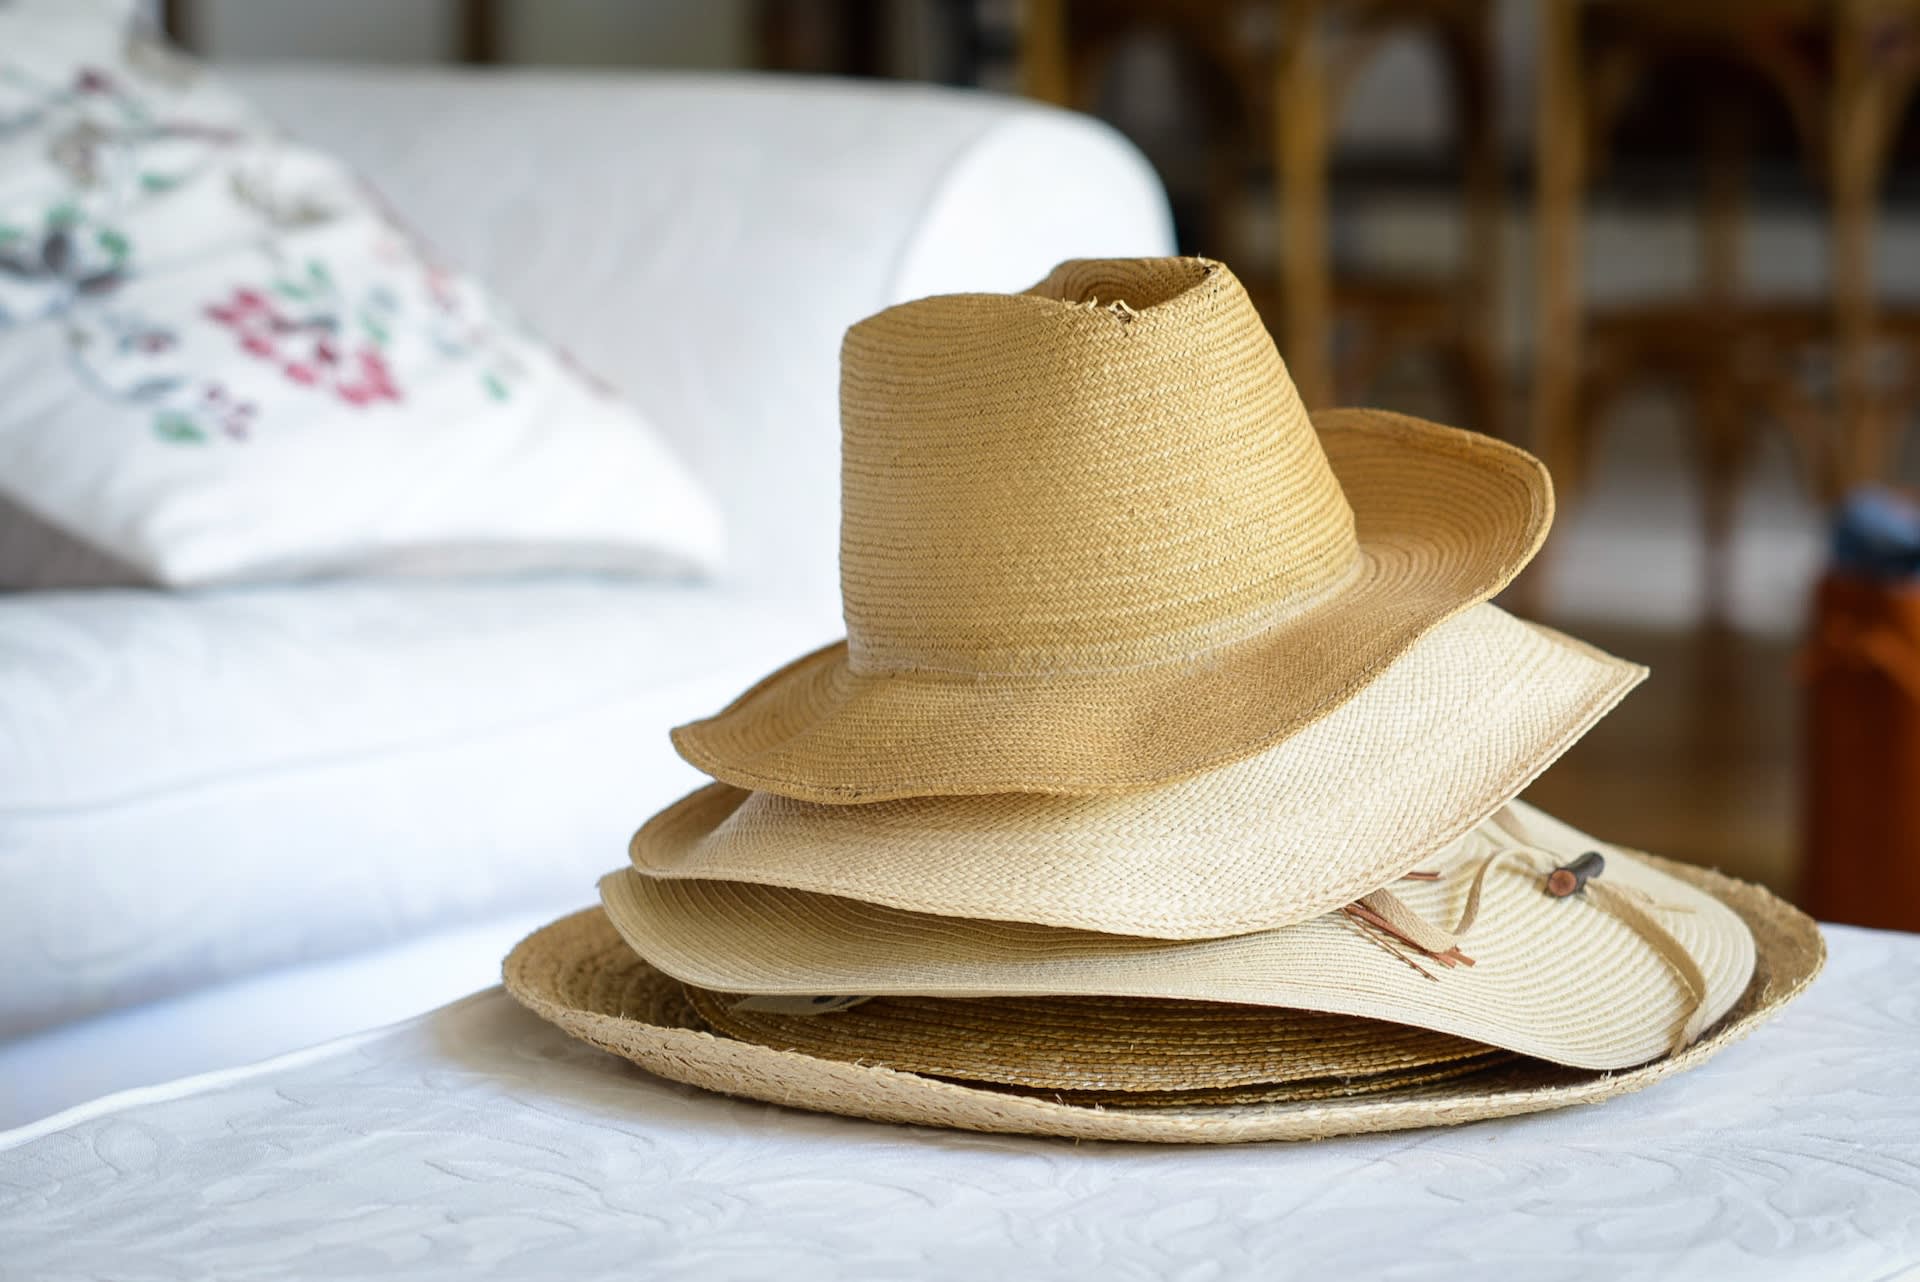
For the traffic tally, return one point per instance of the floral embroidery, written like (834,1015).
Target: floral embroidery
(215,411)
(123,357)
(459,335)
(302,332)
(67,257)
(113,148)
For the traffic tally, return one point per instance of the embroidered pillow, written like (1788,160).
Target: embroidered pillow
(220,360)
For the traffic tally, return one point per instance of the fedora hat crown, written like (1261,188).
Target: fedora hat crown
(1111,470)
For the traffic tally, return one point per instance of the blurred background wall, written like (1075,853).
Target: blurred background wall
(1674,247)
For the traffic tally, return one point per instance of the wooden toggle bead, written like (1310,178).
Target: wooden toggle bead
(1571,879)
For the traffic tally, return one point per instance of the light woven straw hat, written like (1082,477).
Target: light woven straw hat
(1117,1045)
(1629,969)
(1463,721)
(581,975)
(1091,542)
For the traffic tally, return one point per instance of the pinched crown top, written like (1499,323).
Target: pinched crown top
(1110,470)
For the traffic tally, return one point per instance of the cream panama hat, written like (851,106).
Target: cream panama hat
(1631,968)
(1091,543)
(1463,721)
(582,976)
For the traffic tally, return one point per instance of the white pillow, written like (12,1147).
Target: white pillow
(221,361)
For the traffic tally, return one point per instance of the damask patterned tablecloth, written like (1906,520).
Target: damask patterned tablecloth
(477,1141)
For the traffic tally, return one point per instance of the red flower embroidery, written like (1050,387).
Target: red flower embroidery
(308,349)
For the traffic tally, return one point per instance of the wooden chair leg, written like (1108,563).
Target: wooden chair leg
(1720,422)
(1559,143)
(1723,449)
(1300,169)
(1476,80)
(1860,126)
(1043,71)
(1852,254)
(1723,212)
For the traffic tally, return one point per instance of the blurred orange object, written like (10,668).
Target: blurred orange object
(1861,679)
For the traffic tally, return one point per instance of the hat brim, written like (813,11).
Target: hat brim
(580,974)
(1558,979)
(1463,721)
(1445,519)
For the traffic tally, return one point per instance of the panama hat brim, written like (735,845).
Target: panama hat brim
(1462,722)
(1564,980)
(1444,518)
(580,974)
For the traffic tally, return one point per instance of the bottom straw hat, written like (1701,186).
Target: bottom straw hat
(581,975)
(1401,1085)
(1095,1044)
(1138,1053)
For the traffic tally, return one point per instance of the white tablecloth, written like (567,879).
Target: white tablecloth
(476,1141)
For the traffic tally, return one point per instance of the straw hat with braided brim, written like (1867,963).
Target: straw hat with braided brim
(1091,542)
(1460,723)
(581,975)
(1404,1084)
(1135,1052)
(1608,978)
(1116,1044)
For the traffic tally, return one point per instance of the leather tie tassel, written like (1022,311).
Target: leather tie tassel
(1384,910)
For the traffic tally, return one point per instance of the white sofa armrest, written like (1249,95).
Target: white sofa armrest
(702,242)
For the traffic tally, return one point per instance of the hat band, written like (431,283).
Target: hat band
(869,656)
(1403,932)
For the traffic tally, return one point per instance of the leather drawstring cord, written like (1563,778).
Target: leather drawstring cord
(1400,929)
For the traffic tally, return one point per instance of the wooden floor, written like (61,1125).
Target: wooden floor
(1699,762)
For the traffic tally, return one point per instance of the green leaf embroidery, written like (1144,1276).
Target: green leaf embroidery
(158,182)
(176,428)
(317,270)
(495,387)
(64,214)
(374,328)
(115,243)
(287,289)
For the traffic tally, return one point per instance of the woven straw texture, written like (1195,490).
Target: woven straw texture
(1094,1044)
(1462,722)
(1091,543)
(579,974)
(1402,1085)
(1559,979)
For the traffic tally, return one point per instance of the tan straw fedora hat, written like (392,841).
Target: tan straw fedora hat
(1091,542)
(581,975)
(1631,967)
(1463,721)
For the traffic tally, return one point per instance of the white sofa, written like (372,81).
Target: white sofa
(232,823)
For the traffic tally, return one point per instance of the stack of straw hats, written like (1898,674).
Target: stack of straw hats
(1164,785)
